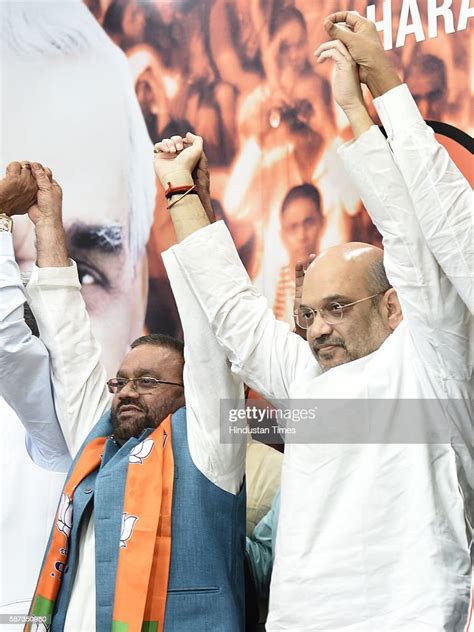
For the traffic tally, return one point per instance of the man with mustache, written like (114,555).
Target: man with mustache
(150,531)
(374,529)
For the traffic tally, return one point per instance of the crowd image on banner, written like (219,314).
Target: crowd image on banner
(242,75)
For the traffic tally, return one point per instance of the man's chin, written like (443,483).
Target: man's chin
(127,424)
(330,358)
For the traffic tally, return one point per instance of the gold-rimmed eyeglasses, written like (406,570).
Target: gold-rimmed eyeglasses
(142,385)
(332,314)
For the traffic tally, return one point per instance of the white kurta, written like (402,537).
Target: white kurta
(33,456)
(370,537)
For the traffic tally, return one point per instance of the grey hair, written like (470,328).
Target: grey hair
(377,280)
(67,29)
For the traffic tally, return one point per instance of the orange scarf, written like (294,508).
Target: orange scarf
(145,543)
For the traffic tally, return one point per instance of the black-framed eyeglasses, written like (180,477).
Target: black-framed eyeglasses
(332,314)
(142,385)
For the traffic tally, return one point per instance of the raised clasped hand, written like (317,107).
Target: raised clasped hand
(48,206)
(346,84)
(18,189)
(360,37)
(176,158)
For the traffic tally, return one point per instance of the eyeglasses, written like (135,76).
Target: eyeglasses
(332,314)
(142,385)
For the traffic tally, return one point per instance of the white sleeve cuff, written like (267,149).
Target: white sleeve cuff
(354,149)
(63,277)
(6,244)
(204,249)
(397,110)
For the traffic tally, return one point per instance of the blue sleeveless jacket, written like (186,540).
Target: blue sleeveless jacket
(206,582)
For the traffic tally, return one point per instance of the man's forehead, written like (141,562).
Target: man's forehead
(65,111)
(315,296)
(298,209)
(78,127)
(59,81)
(333,281)
(148,357)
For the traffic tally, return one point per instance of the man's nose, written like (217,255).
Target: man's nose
(318,328)
(300,234)
(128,391)
(293,52)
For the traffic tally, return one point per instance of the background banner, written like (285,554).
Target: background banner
(241,74)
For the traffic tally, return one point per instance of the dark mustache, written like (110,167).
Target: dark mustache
(326,339)
(129,402)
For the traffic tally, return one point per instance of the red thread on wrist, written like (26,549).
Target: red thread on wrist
(170,191)
(190,190)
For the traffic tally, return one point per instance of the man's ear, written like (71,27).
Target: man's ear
(393,308)
(139,297)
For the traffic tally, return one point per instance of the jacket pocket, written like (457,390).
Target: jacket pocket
(194,591)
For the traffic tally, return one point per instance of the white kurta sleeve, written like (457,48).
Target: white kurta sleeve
(438,319)
(441,196)
(207,380)
(25,381)
(79,378)
(262,351)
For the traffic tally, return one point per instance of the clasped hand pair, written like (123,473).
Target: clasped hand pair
(30,188)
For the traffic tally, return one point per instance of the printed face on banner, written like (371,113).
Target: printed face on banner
(428,85)
(79,128)
(301,228)
(292,49)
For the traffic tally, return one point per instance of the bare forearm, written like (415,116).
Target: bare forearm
(51,245)
(382,78)
(359,119)
(188,215)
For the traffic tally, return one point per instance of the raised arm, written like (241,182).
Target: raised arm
(54,295)
(263,351)
(432,308)
(25,381)
(441,196)
(207,376)
(207,381)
